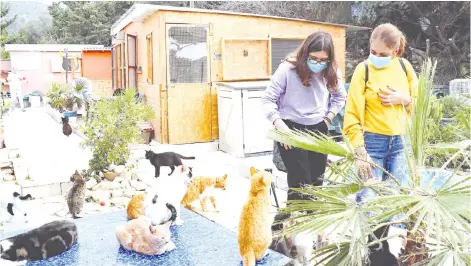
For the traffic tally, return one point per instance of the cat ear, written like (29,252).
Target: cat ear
(224,177)
(253,171)
(76,172)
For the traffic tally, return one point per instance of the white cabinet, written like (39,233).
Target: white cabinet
(242,125)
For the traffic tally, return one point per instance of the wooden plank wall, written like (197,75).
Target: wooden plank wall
(221,26)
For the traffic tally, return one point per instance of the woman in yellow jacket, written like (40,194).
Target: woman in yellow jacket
(379,99)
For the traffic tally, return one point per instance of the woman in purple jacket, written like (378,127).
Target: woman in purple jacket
(305,93)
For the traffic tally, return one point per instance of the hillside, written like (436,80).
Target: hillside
(27,12)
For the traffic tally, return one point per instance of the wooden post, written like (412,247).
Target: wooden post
(192,4)
(66,66)
(73,69)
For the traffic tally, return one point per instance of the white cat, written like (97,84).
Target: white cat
(168,190)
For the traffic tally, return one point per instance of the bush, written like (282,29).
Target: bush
(112,126)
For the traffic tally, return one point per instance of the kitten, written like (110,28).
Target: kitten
(201,189)
(298,246)
(168,190)
(41,243)
(170,159)
(66,128)
(76,196)
(254,228)
(13,206)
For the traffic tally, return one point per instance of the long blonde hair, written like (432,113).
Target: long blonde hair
(391,36)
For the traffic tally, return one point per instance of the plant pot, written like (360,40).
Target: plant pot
(110,176)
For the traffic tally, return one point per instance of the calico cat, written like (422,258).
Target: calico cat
(41,243)
(76,196)
(254,228)
(170,159)
(158,203)
(66,128)
(298,246)
(141,236)
(13,206)
(201,189)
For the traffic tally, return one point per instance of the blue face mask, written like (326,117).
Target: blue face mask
(379,62)
(315,66)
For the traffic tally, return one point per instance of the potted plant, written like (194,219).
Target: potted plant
(437,203)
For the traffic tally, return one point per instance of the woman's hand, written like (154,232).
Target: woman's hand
(363,163)
(281,126)
(393,97)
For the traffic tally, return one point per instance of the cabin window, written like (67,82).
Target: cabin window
(280,48)
(132,61)
(150,61)
(188,54)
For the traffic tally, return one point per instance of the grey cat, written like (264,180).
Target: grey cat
(41,243)
(76,197)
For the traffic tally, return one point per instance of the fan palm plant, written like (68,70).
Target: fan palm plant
(436,203)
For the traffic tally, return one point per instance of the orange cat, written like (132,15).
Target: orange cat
(136,206)
(255,228)
(140,236)
(203,186)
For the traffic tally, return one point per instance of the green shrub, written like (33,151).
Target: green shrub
(64,97)
(112,126)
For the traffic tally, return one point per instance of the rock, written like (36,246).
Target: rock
(134,176)
(125,175)
(88,194)
(8,178)
(7,171)
(120,169)
(120,201)
(101,195)
(129,193)
(139,186)
(100,174)
(117,193)
(91,183)
(112,167)
(104,185)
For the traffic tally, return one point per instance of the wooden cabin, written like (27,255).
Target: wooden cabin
(175,56)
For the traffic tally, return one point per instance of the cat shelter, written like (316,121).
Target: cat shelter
(177,56)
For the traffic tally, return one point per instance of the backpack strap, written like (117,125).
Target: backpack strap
(403,66)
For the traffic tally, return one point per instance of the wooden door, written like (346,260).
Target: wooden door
(188,84)
(132,61)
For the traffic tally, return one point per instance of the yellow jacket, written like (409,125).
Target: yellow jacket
(364,111)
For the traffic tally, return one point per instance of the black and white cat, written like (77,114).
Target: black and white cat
(168,191)
(41,243)
(13,206)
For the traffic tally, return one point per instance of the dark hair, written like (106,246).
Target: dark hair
(318,41)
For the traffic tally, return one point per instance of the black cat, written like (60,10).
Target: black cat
(66,128)
(170,159)
(381,256)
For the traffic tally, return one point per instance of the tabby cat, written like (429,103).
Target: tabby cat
(201,189)
(41,243)
(170,159)
(76,196)
(141,236)
(254,228)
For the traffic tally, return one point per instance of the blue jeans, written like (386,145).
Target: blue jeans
(389,153)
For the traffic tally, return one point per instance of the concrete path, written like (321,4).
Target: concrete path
(49,156)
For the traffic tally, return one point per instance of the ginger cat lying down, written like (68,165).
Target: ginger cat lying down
(141,236)
(202,188)
(255,228)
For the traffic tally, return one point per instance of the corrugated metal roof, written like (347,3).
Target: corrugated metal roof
(50,47)
(103,49)
(137,12)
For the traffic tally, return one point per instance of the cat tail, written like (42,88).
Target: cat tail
(249,258)
(172,210)
(187,158)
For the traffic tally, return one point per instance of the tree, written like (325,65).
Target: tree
(4,23)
